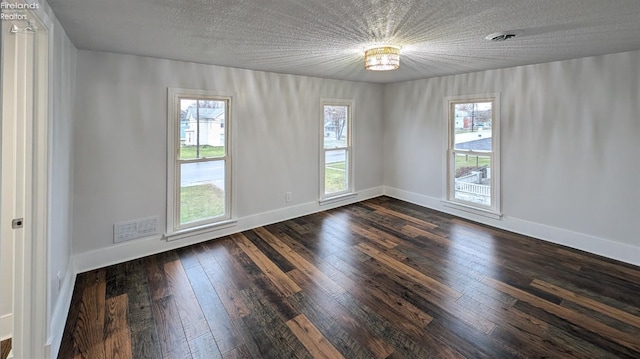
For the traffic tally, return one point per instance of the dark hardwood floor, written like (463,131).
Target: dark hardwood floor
(5,348)
(377,279)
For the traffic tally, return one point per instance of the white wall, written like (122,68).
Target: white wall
(62,89)
(61,158)
(118,177)
(570,144)
(570,132)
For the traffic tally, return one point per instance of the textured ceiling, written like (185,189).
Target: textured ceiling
(326,38)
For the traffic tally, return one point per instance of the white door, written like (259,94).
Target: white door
(17,77)
(6,207)
(12,172)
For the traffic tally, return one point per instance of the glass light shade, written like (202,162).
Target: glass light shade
(382,58)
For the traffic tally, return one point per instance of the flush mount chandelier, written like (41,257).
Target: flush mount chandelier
(382,58)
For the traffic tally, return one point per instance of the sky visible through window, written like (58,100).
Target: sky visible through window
(184,104)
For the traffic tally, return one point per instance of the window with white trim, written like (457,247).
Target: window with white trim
(199,160)
(473,160)
(335,152)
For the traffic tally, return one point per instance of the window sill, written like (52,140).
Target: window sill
(338,198)
(474,210)
(196,231)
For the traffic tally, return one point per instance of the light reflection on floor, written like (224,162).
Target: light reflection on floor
(473,255)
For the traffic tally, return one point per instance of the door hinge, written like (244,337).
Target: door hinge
(17,223)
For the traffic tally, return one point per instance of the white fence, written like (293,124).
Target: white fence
(473,188)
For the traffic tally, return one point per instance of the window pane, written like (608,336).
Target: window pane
(202,191)
(335,126)
(202,128)
(335,171)
(472,126)
(473,179)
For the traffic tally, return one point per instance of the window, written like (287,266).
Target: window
(335,158)
(199,159)
(473,151)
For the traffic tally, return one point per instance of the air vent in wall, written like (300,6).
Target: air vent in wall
(502,36)
(126,231)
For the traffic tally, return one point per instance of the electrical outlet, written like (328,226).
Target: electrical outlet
(288,196)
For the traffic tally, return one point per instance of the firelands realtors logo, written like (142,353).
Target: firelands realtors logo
(7,6)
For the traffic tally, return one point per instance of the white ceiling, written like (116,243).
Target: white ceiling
(326,38)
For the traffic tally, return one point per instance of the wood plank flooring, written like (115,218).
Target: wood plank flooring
(378,279)
(5,348)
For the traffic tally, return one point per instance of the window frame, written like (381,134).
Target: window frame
(349,191)
(494,210)
(174,230)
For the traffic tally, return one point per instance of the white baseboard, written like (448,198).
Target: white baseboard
(130,250)
(6,326)
(585,242)
(60,312)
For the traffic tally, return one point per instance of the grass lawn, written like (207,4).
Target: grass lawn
(470,161)
(200,202)
(187,152)
(335,177)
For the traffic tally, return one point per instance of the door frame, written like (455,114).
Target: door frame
(31,294)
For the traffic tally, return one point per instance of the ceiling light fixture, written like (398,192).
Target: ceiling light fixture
(382,58)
